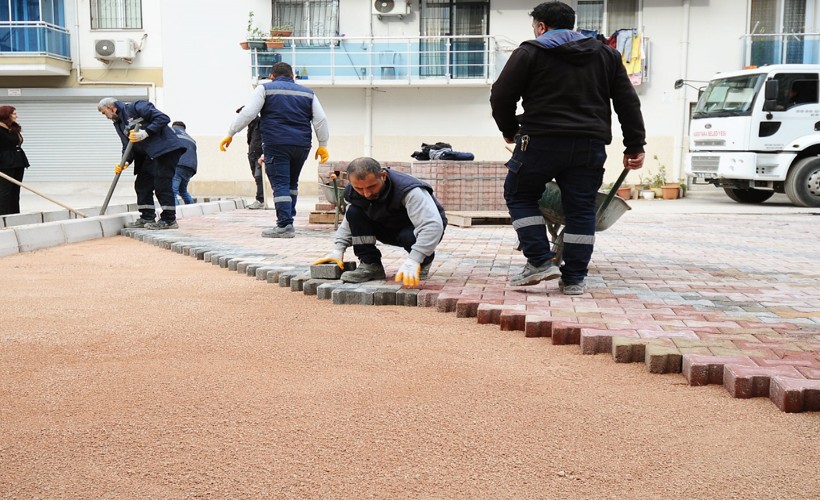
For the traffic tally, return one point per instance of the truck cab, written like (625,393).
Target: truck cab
(756,132)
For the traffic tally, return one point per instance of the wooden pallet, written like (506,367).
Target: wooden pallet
(478,218)
(322,217)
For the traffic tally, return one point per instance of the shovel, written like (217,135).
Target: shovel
(123,161)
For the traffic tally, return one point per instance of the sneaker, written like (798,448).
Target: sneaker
(139,223)
(279,232)
(256,205)
(532,275)
(163,224)
(572,288)
(364,272)
(425,270)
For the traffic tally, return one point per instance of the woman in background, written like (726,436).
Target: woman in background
(13,161)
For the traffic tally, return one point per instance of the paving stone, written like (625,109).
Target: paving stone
(663,359)
(14,220)
(595,341)
(310,287)
(795,395)
(407,297)
(467,308)
(325,291)
(8,243)
(447,302)
(262,272)
(704,370)
(537,326)
(491,313)
(361,295)
(297,283)
(37,236)
(384,296)
(77,230)
(753,382)
(629,350)
(510,321)
(427,298)
(331,271)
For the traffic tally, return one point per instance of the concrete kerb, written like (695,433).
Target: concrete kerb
(28,232)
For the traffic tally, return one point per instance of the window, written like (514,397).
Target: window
(116,14)
(606,16)
(312,18)
(776,33)
(454,20)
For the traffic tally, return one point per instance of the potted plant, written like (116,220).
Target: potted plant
(274,43)
(255,38)
(278,30)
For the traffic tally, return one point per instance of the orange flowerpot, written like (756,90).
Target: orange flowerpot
(624,192)
(670,191)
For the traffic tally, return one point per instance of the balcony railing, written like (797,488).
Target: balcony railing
(784,48)
(363,61)
(26,38)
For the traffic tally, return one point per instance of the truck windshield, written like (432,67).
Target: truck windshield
(729,96)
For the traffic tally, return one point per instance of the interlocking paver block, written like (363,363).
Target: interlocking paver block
(629,350)
(427,298)
(491,313)
(446,303)
(703,370)
(331,271)
(407,297)
(361,295)
(662,359)
(595,341)
(537,326)
(752,382)
(297,283)
(511,321)
(467,308)
(793,395)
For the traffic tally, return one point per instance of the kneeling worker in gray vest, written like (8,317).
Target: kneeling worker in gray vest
(393,208)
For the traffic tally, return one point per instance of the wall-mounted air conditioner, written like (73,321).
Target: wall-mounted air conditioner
(396,8)
(115,50)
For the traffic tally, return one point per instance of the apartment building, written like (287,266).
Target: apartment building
(391,74)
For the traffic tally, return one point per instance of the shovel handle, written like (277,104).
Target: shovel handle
(123,160)
(611,194)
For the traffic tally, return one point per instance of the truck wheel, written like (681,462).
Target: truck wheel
(803,183)
(748,195)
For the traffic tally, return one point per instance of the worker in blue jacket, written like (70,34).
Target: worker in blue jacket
(186,167)
(155,152)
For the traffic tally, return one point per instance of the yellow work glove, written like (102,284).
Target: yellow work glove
(335,257)
(118,169)
(322,153)
(409,273)
(223,146)
(137,135)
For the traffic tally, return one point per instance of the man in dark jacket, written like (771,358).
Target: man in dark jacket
(155,153)
(254,154)
(394,208)
(186,168)
(566,82)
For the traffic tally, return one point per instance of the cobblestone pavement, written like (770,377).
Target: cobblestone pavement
(728,299)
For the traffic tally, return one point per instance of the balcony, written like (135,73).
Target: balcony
(784,48)
(384,61)
(33,48)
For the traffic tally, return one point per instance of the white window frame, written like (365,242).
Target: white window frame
(120,8)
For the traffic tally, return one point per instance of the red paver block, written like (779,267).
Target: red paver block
(595,341)
(567,332)
(513,321)
(764,362)
(793,395)
(538,326)
(667,334)
(467,308)
(427,298)
(628,349)
(753,382)
(810,372)
(491,313)
(446,302)
(703,370)
(663,358)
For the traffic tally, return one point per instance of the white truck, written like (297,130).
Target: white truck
(756,132)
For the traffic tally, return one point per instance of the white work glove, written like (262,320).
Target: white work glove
(336,257)
(137,135)
(409,273)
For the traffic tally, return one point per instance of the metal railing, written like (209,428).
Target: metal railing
(368,60)
(27,38)
(782,48)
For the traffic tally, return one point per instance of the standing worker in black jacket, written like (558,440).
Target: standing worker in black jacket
(155,153)
(566,82)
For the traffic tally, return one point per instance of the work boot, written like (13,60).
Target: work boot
(163,224)
(572,288)
(279,232)
(425,270)
(532,275)
(139,223)
(364,272)
(256,205)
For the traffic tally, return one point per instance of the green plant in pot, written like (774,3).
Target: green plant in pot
(254,37)
(278,29)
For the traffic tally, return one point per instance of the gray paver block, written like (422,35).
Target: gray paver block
(311,286)
(8,243)
(297,283)
(407,297)
(359,295)
(262,271)
(77,230)
(331,271)
(384,297)
(325,291)
(36,236)
(233,263)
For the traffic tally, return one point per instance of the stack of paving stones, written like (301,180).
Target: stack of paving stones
(709,300)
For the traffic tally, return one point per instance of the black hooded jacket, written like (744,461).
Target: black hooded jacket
(566,92)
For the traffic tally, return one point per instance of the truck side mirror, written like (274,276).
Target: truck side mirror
(771,92)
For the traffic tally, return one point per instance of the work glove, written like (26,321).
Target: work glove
(322,153)
(409,273)
(223,146)
(137,135)
(336,257)
(119,168)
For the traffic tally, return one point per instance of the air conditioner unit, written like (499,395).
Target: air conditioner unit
(396,8)
(113,50)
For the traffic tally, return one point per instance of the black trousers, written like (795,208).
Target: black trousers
(156,177)
(366,232)
(10,192)
(256,171)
